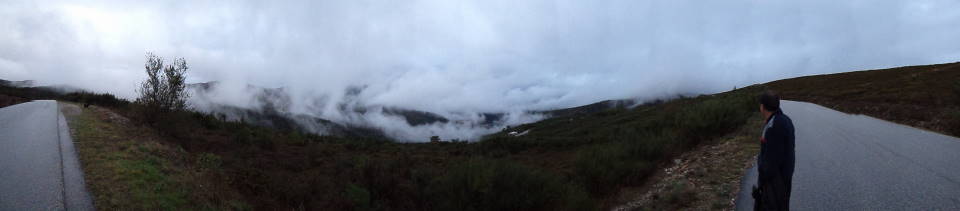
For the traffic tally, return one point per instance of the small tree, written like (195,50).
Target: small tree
(164,90)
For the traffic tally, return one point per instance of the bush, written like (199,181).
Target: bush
(209,161)
(954,122)
(713,117)
(386,180)
(602,168)
(359,196)
(102,99)
(208,121)
(956,89)
(175,125)
(483,184)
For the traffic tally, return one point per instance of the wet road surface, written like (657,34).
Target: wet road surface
(39,169)
(856,162)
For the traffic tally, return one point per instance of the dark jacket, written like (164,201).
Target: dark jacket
(776,162)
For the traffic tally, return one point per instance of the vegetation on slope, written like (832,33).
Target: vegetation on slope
(570,162)
(926,96)
(621,147)
(704,178)
(6,100)
(128,167)
(575,162)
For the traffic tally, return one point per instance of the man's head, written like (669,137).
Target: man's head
(769,103)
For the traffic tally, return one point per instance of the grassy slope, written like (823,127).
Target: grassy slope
(129,168)
(926,96)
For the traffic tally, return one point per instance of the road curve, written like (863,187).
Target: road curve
(39,169)
(856,162)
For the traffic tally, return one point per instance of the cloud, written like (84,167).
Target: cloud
(471,56)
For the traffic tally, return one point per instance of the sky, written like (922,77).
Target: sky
(464,56)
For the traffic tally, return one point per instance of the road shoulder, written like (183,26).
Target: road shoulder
(76,196)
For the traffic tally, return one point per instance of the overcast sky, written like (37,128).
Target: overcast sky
(481,56)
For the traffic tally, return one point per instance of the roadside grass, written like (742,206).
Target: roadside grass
(713,171)
(127,169)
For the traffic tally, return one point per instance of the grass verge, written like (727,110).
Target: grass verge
(127,168)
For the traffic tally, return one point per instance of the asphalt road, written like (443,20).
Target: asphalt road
(856,162)
(39,169)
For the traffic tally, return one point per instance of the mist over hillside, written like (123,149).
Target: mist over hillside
(348,116)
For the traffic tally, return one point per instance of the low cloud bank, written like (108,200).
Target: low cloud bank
(464,59)
(237,102)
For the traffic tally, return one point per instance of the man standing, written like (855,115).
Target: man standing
(776,156)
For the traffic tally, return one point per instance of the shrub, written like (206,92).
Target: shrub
(954,122)
(956,89)
(178,125)
(208,121)
(242,135)
(102,99)
(209,161)
(604,167)
(712,117)
(483,184)
(359,196)
(651,147)
(601,168)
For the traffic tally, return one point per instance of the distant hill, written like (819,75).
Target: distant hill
(271,107)
(272,110)
(924,96)
(25,83)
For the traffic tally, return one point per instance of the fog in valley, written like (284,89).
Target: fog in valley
(459,69)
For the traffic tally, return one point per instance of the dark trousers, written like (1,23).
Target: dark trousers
(775,194)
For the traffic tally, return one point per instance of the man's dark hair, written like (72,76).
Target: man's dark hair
(770,100)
